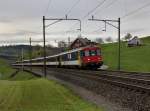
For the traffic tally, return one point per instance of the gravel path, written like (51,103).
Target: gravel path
(90,96)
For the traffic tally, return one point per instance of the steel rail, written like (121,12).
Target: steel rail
(131,82)
(119,73)
(108,80)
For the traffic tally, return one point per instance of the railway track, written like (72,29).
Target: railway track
(130,89)
(140,83)
(132,80)
(128,74)
(119,87)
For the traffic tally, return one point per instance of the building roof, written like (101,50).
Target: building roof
(83,41)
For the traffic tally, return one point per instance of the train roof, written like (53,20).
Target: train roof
(40,58)
(78,49)
(62,53)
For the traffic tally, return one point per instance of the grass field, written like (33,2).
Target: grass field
(5,69)
(39,95)
(25,92)
(132,59)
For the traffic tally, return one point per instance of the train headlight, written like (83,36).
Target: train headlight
(99,59)
(88,59)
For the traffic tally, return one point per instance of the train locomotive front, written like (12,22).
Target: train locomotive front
(91,57)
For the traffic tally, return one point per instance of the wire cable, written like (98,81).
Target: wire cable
(136,10)
(91,11)
(109,5)
(73,6)
(47,8)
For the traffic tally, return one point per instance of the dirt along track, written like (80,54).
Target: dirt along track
(128,89)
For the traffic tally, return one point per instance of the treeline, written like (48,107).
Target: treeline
(35,51)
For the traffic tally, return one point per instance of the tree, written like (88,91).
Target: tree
(128,36)
(99,40)
(109,39)
(62,44)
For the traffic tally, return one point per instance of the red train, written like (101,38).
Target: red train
(85,57)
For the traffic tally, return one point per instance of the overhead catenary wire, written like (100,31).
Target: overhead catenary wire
(73,6)
(89,12)
(47,8)
(109,5)
(46,11)
(128,14)
(136,10)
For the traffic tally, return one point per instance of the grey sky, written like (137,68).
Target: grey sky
(20,19)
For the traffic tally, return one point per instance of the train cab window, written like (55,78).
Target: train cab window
(87,53)
(98,52)
(92,52)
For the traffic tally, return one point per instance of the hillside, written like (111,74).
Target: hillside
(132,58)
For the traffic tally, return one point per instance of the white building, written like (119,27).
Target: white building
(134,42)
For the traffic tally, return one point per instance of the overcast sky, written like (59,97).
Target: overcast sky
(21,19)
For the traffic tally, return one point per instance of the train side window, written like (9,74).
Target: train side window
(62,57)
(74,55)
(82,53)
(69,56)
(65,57)
(52,59)
(58,58)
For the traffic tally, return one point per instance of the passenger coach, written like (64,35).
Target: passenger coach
(85,57)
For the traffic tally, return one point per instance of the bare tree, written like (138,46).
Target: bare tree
(62,44)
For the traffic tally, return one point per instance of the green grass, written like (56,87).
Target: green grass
(5,69)
(132,59)
(22,76)
(39,95)
(25,92)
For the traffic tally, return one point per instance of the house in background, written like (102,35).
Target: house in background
(81,42)
(134,42)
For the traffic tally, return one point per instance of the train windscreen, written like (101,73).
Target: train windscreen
(90,53)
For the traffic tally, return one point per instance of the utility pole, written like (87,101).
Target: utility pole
(22,56)
(44,65)
(30,54)
(106,21)
(119,47)
(56,20)
(68,41)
